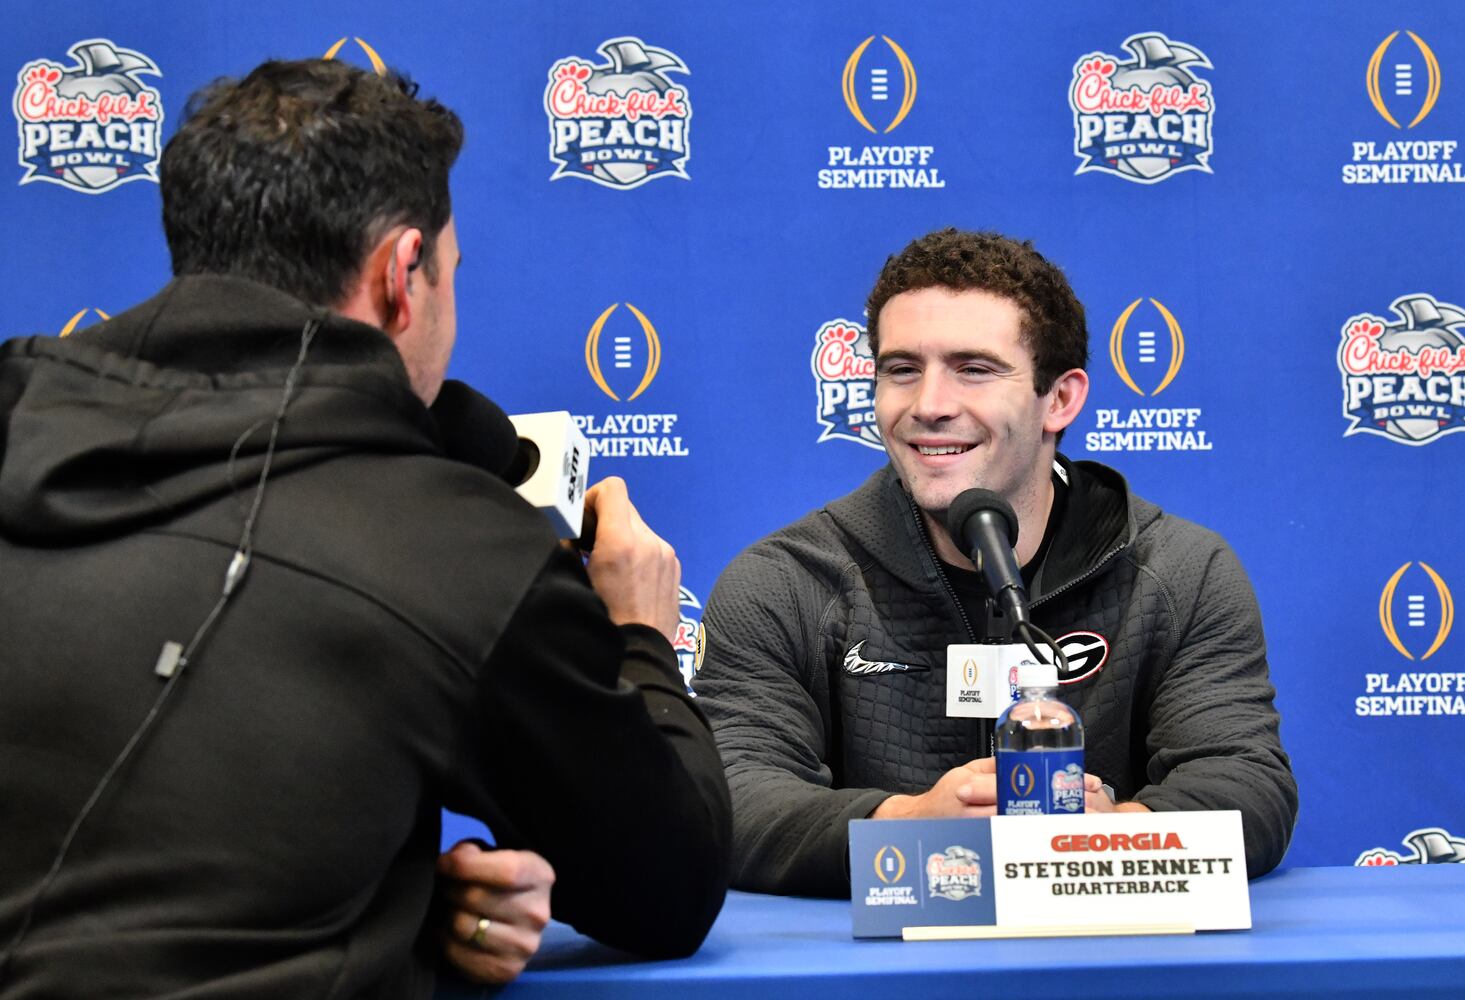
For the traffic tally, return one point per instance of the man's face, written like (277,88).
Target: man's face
(955,399)
(435,319)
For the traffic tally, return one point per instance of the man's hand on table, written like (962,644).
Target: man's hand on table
(971,790)
(498,906)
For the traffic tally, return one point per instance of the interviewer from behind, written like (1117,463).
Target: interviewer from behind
(260,627)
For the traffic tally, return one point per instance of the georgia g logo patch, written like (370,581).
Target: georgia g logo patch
(1087,653)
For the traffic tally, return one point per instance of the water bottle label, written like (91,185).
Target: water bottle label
(1034,782)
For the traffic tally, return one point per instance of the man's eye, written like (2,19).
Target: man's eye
(896,371)
(974,371)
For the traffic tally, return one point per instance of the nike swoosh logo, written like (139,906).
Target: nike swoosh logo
(854,663)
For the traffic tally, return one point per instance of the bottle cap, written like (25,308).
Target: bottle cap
(1036,675)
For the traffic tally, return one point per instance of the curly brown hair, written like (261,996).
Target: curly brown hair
(1053,326)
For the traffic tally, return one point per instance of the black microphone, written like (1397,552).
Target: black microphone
(475,430)
(983,524)
(543,456)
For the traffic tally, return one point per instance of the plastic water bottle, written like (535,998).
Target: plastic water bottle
(1039,749)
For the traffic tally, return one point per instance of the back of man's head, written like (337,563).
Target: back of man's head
(1053,325)
(290,175)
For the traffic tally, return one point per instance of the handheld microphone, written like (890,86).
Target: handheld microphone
(983,524)
(476,431)
(554,460)
(542,455)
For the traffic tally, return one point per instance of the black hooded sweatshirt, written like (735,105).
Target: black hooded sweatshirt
(408,636)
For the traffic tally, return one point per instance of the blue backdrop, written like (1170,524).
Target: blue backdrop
(1264,183)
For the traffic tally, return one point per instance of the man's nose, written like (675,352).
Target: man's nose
(935,397)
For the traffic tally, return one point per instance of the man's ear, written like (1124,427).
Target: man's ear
(1065,400)
(403,252)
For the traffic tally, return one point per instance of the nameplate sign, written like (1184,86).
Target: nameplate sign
(1097,873)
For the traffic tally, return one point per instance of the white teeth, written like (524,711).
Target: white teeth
(949,449)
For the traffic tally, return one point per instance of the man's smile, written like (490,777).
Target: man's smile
(943,449)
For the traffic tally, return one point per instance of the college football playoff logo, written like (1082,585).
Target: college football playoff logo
(625,352)
(1148,347)
(377,65)
(878,84)
(1401,85)
(889,864)
(75,321)
(1417,610)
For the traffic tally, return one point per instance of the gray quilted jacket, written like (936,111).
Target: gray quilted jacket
(808,629)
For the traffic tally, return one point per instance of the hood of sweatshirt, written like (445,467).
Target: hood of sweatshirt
(171,404)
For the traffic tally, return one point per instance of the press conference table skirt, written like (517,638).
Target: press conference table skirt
(1316,932)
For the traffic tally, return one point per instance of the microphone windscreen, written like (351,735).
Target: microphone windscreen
(475,430)
(524,465)
(970,502)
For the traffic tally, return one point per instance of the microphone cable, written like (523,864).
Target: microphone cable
(1026,629)
(175,656)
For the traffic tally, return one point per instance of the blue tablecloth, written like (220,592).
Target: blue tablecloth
(1316,932)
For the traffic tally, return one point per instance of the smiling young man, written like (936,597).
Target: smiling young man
(824,676)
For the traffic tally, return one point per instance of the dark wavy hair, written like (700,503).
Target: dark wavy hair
(1053,326)
(290,175)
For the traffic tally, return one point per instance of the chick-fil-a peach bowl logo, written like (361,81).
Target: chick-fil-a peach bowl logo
(844,379)
(1405,380)
(92,125)
(622,122)
(1145,118)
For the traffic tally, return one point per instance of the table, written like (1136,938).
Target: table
(1316,932)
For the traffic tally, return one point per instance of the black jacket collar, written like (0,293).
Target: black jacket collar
(1099,523)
